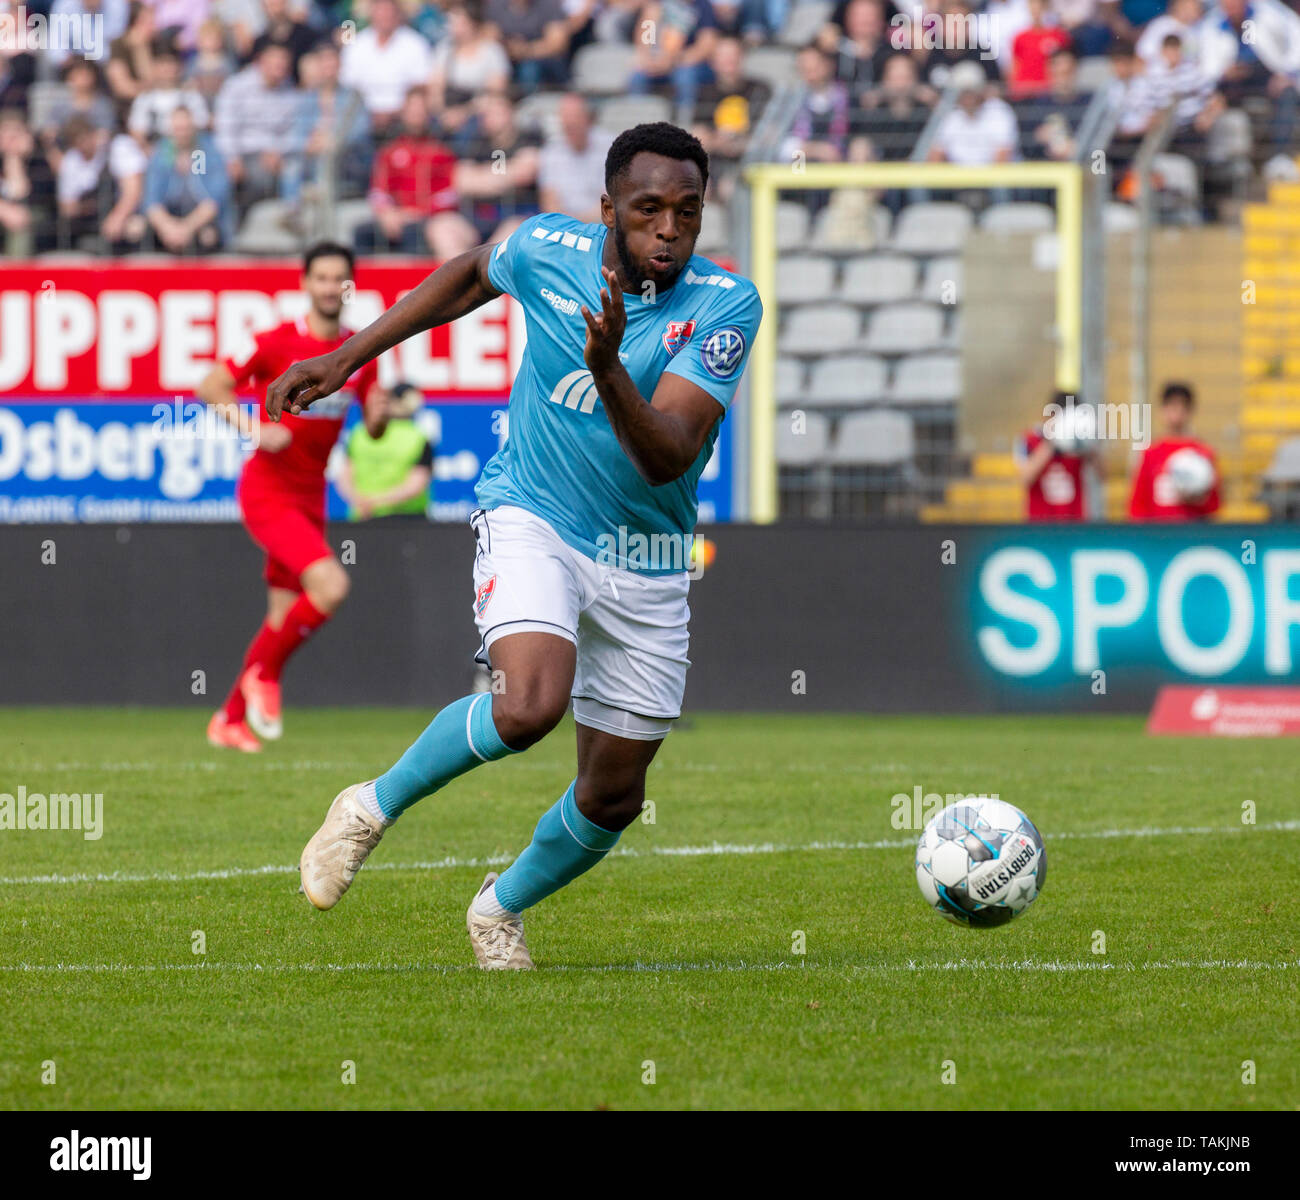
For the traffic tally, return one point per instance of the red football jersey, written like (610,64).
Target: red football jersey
(1154,498)
(1057,493)
(300,467)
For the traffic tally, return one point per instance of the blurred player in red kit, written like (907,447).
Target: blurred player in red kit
(281,492)
(1177,477)
(1052,459)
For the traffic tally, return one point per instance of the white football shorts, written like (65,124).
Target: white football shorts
(629,627)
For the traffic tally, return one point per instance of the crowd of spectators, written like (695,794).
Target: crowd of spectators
(193,111)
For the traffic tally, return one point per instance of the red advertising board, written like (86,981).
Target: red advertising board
(1227,711)
(135,328)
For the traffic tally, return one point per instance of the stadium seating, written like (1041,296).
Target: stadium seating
(602,68)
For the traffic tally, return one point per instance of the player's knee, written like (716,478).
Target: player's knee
(526,713)
(327,584)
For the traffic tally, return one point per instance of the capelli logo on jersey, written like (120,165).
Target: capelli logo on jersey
(560,303)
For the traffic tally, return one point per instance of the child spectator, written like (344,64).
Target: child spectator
(1032,48)
(151,113)
(1162,490)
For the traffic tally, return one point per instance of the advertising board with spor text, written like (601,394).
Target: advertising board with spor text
(99,361)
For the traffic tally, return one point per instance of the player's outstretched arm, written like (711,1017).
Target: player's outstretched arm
(457,287)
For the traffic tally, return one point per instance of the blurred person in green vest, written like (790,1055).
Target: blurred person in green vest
(389,476)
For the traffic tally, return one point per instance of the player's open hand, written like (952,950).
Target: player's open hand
(304,383)
(605,332)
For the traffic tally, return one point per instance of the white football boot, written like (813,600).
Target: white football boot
(331,860)
(498,941)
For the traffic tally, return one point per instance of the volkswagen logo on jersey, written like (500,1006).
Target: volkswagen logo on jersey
(723,351)
(677,334)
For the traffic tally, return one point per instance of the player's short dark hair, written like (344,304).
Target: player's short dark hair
(328,250)
(654,137)
(1181,391)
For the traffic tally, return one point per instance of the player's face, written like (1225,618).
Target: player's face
(1177,416)
(324,285)
(655,216)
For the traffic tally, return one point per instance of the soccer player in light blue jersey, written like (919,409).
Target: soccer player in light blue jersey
(586,519)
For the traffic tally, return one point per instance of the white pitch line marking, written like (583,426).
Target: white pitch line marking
(962,964)
(706,850)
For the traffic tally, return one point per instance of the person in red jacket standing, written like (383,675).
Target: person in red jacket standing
(1052,459)
(1177,477)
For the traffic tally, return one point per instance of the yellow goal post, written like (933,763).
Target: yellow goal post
(766,181)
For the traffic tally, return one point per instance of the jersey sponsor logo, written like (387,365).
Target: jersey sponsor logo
(722,281)
(723,351)
(484,595)
(571,240)
(576,390)
(561,303)
(332,407)
(677,334)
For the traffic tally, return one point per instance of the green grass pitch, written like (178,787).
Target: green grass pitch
(784,958)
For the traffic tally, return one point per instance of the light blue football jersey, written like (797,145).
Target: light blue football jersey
(562,459)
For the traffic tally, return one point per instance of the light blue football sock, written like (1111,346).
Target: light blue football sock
(461,736)
(564,845)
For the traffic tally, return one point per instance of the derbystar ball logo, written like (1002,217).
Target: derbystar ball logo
(677,334)
(1004,869)
(484,595)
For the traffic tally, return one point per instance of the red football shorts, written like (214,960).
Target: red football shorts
(293,536)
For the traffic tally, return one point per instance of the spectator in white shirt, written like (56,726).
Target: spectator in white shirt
(124,224)
(571,177)
(151,110)
(1183,19)
(384,62)
(80,167)
(981,130)
(1252,48)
